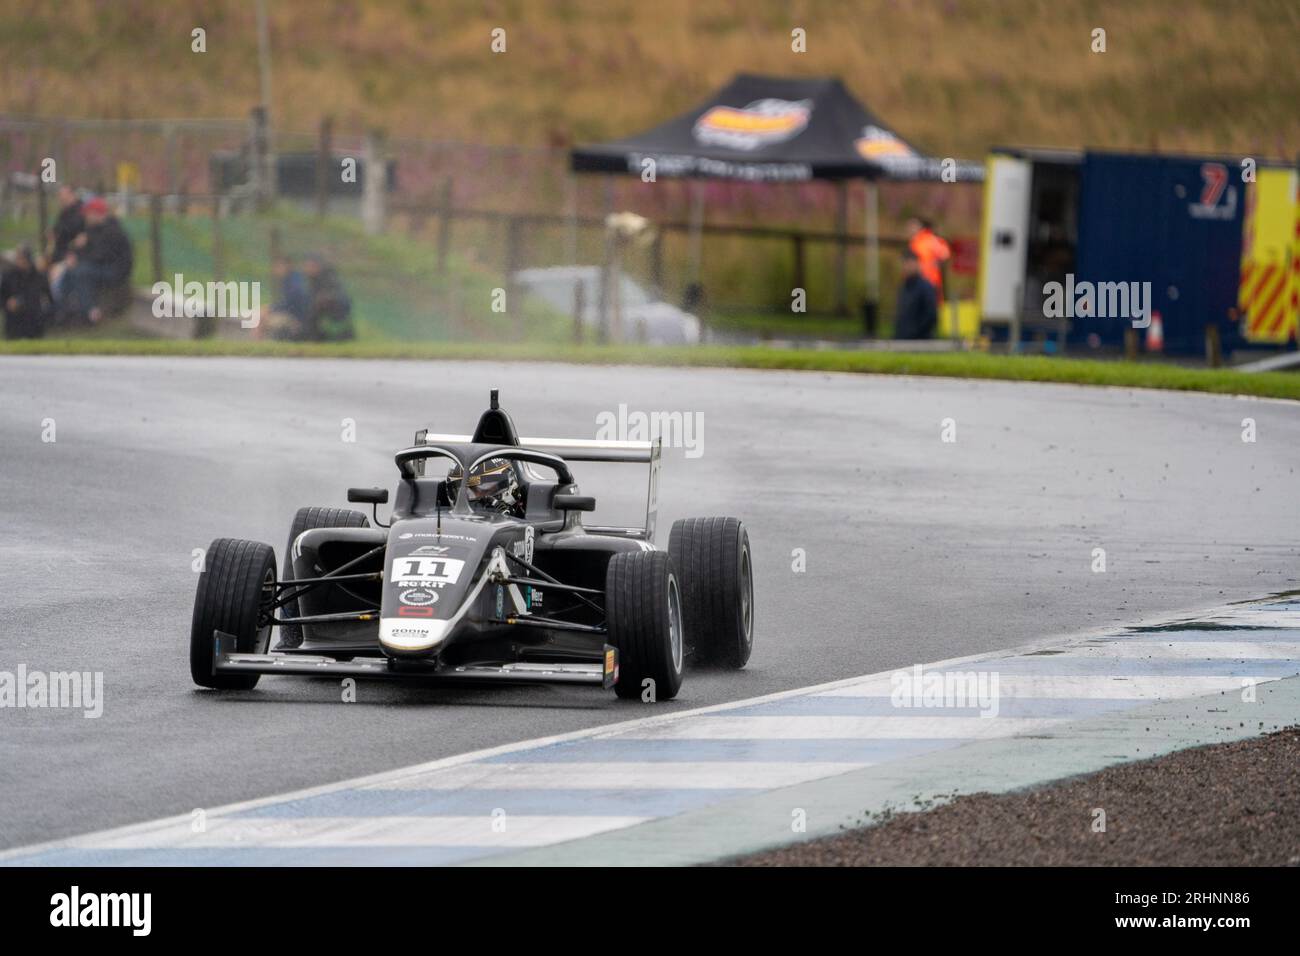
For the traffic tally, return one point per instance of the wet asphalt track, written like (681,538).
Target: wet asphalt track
(916,550)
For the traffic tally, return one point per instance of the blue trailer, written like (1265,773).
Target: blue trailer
(1081,247)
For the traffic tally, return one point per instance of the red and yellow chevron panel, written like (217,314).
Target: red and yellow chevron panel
(1268,297)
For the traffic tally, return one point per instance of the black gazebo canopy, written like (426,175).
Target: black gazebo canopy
(773,129)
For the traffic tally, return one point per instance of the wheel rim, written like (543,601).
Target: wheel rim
(746,596)
(675,641)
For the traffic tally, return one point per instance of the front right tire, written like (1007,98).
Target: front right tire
(237,582)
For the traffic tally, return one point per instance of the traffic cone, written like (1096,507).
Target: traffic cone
(1156,334)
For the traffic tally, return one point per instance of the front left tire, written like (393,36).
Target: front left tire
(714,559)
(643,612)
(308,519)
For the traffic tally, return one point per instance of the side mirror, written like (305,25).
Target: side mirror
(575,503)
(368,496)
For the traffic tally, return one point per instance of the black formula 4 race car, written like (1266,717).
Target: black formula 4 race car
(484,574)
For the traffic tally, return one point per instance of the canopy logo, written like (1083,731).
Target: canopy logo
(877,143)
(761,123)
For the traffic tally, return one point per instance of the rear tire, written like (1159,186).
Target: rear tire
(307,519)
(643,611)
(712,555)
(238,577)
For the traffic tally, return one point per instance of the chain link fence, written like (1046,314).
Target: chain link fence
(455,216)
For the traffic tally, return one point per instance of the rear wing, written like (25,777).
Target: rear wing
(588,449)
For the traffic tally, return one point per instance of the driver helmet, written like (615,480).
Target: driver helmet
(492,484)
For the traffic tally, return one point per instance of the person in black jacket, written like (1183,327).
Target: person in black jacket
(329,316)
(70,223)
(25,297)
(917,312)
(99,263)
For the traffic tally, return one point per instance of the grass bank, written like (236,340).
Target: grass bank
(976,365)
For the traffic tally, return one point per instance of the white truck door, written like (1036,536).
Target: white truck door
(1005,239)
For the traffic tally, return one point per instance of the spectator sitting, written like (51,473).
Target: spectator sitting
(70,223)
(917,312)
(99,264)
(291,311)
(329,318)
(25,296)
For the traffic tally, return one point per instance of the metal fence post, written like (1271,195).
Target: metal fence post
(800,275)
(513,242)
(872,244)
(260,170)
(373,184)
(657,262)
(155,237)
(206,325)
(42,216)
(571,213)
(841,249)
(579,309)
(444,225)
(323,165)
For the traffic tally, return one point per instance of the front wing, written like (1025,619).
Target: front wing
(604,674)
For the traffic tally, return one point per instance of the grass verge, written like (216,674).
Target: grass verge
(950,365)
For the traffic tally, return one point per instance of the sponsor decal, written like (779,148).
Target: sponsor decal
(705,166)
(524,549)
(501,600)
(877,143)
(534,597)
(407,631)
(425,571)
(412,634)
(419,597)
(761,123)
(415,612)
(1215,186)
(609,660)
(429,551)
(407,535)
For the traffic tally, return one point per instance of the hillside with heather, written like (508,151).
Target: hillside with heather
(956,76)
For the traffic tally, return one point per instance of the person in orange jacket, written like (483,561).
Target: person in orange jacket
(930,250)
